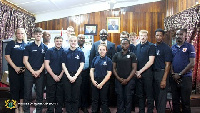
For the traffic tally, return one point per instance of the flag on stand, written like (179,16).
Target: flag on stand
(61,32)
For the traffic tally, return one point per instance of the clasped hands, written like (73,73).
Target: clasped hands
(177,78)
(96,84)
(19,70)
(72,79)
(123,81)
(138,74)
(36,73)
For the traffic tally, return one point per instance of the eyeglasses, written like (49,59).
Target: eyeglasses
(124,43)
(104,35)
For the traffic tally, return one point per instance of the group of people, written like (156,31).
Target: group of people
(67,69)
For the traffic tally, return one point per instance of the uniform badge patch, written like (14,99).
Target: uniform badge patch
(104,63)
(77,57)
(43,51)
(184,49)
(158,52)
(16,46)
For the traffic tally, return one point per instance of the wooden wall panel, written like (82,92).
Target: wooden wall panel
(176,6)
(148,16)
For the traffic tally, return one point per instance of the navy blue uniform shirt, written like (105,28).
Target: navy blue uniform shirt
(181,57)
(16,51)
(143,51)
(72,59)
(163,54)
(55,57)
(101,65)
(124,63)
(35,54)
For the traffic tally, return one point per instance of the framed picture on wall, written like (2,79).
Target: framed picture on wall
(113,24)
(90,29)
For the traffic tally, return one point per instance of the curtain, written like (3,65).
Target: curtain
(188,19)
(196,71)
(10,19)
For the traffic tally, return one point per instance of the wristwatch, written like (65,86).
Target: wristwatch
(180,74)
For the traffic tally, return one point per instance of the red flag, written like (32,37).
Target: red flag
(61,32)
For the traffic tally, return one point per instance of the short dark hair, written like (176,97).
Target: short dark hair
(37,30)
(160,30)
(132,34)
(45,33)
(125,39)
(124,33)
(58,37)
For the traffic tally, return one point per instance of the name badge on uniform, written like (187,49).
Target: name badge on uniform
(77,57)
(128,56)
(42,51)
(184,49)
(34,50)
(158,52)
(17,46)
(104,63)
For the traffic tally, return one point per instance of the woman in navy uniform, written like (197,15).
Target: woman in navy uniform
(53,65)
(72,64)
(14,56)
(100,72)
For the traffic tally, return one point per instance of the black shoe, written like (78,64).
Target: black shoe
(133,109)
(84,110)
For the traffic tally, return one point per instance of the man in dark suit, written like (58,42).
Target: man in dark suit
(103,40)
(113,26)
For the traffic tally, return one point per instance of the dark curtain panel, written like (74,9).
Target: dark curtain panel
(196,71)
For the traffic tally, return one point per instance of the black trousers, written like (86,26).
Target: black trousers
(160,95)
(72,93)
(124,96)
(101,94)
(54,95)
(16,84)
(134,96)
(85,89)
(181,92)
(28,84)
(112,97)
(145,91)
